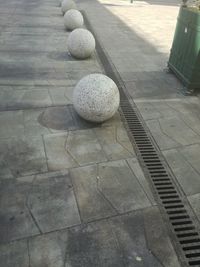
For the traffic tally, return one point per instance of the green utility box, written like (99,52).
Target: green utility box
(184,59)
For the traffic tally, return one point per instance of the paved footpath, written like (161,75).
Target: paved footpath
(138,37)
(72,193)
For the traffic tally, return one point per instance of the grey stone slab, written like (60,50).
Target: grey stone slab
(84,147)
(115,142)
(148,110)
(150,89)
(62,118)
(192,155)
(14,254)
(91,245)
(186,175)
(57,118)
(163,140)
(96,246)
(131,237)
(36,42)
(156,109)
(194,202)
(42,77)
(61,82)
(35,98)
(184,106)
(48,250)
(107,189)
(192,120)
(165,110)
(22,156)
(150,83)
(91,201)
(11,124)
(115,120)
(77,75)
(80,123)
(135,166)
(57,155)
(61,96)
(158,241)
(32,125)
(70,64)
(120,186)
(16,218)
(179,131)
(52,202)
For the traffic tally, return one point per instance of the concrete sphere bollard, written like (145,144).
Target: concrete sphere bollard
(67,5)
(81,43)
(96,98)
(73,19)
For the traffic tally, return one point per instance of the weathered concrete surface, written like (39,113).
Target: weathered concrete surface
(139,52)
(37,204)
(73,193)
(136,239)
(112,186)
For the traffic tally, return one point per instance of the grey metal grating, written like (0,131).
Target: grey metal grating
(182,225)
(175,209)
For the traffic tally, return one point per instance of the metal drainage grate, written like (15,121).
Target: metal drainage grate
(175,209)
(167,192)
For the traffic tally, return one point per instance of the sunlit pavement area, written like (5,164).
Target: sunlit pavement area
(73,193)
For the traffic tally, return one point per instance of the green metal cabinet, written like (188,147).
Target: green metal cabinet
(184,58)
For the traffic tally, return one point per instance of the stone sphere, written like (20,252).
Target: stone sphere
(67,5)
(96,98)
(73,19)
(81,43)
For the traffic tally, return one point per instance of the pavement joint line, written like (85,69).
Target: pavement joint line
(64,169)
(33,108)
(82,224)
(45,152)
(150,200)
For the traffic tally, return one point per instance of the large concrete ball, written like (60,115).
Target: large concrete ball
(96,98)
(73,19)
(81,43)
(67,5)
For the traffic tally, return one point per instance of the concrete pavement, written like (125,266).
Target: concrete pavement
(142,35)
(73,193)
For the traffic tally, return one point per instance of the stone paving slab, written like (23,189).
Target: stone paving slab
(21,157)
(52,202)
(173,128)
(135,167)
(85,147)
(12,99)
(106,189)
(16,219)
(194,202)
(14,254)
(185,173)
(121,241)
(37,204)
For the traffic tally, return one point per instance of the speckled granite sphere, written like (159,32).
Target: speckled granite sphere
(96,98)
(67,5)
(73,19)
(81,43)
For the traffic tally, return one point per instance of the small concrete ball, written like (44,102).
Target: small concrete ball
(96,98)
(81,43)
(73,19)
(67,5)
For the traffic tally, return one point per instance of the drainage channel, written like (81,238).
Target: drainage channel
(183,227)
